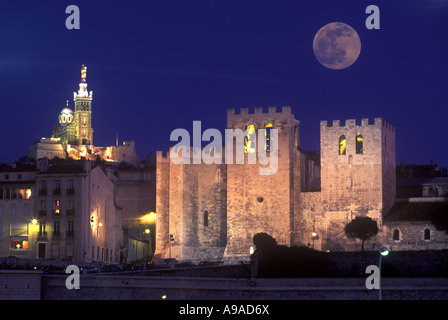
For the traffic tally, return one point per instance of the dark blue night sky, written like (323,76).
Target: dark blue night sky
(155,66)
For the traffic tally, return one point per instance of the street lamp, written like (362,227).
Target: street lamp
(314,236)
(171,242)
(383,252)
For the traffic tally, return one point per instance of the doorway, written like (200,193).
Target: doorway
(41,250)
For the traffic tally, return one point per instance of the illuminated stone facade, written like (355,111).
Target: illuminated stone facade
(76,127)
(212,212)
(73,135)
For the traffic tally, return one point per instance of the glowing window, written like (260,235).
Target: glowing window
(19,244)
(359,144)
(249,139)
(268,128)
(57,208)
(342,144)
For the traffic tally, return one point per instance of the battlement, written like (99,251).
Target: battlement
(162,156)
(259,110)
(351,123)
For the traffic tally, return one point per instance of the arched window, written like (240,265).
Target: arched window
(205,218)
(396,236)
(427,234)
(342,144)
(359,144)
(249,139)
(268,128)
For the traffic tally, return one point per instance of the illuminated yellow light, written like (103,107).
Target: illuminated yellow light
(34,221)
(267,142)
(150,216)
(147,231)
(314,234)
(164,297)
(100,224)
(342,145)
(249,139)
(28,193)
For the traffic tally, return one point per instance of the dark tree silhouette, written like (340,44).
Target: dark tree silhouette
(362,228)
(273,260)
(264,241)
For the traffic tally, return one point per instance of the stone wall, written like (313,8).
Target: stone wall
(153,288)
(411,236)
(261,203)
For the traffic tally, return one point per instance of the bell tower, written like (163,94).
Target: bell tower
(83,112)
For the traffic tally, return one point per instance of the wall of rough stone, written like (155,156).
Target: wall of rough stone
(411,236)
(260,203)
(357,184)
(185,193)
(162,204)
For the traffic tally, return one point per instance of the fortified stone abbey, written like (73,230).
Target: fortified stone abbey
(212,211)
(102,200)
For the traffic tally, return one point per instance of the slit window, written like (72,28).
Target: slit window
(205,218)
(268,128)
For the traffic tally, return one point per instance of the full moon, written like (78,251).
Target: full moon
(336,45)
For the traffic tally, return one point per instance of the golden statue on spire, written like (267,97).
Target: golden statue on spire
(83,73)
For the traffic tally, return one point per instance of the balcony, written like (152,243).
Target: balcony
(42,192)
(57,191)
(71,191)
(70,212)
(56,213)
(57,233)
(42,213)
(42,234)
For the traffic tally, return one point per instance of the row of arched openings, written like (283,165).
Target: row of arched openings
(359,142)
(426,234)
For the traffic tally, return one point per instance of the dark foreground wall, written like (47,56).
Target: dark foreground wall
(140,288)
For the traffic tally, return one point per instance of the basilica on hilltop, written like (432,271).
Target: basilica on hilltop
(73,134)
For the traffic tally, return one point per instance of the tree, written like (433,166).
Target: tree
(362,228)
(264,241)
(273,260)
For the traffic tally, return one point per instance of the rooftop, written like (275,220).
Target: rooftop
(417,211)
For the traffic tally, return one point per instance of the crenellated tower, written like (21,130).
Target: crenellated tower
(357,170)
(262,203)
